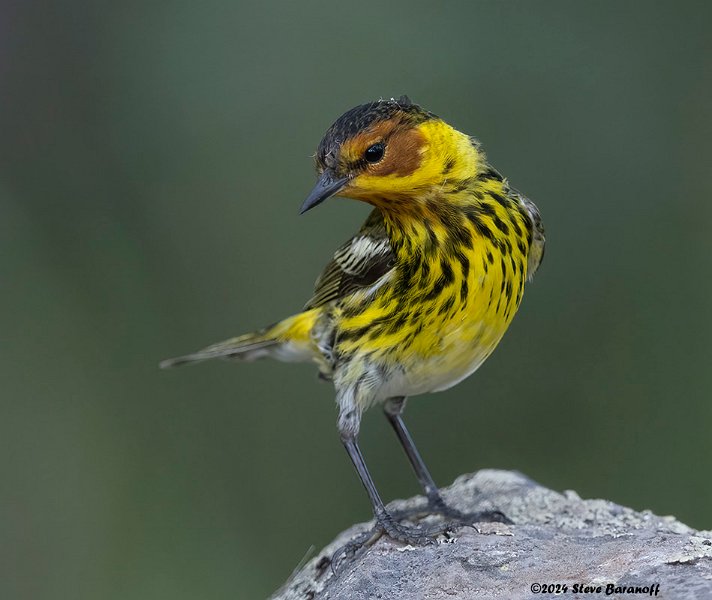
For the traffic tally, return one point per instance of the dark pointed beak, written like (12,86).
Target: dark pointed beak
(327,186)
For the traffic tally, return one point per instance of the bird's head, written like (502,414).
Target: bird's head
(386,151)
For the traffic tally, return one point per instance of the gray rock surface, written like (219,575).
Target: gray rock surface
(557,539)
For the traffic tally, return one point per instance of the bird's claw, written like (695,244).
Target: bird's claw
(468,518)
(390,524)
(348,551)
(416,535)
(436,506)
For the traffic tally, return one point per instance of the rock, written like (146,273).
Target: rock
(604,549)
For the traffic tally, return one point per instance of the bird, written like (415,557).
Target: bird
(421,295)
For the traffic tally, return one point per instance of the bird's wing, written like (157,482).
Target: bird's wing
(357,264)
(536,251)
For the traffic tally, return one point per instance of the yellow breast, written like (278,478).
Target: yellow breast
(457,284)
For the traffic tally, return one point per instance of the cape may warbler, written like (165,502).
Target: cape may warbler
(422,294)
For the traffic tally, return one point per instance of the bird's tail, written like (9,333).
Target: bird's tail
(289,340)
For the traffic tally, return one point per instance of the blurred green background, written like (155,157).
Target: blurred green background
(153,160)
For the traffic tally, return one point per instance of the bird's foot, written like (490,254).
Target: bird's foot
(348,551)
(390,524)
(417,535)
(437,505)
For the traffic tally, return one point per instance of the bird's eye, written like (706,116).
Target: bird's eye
(374,153)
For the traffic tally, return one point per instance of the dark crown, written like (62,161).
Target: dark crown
(361,117)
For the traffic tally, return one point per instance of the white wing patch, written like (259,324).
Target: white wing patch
(354,259)
(356,265)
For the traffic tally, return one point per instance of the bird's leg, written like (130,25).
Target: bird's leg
(384,520)
(393,409)
(348,428)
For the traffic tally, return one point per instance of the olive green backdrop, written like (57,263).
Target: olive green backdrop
(153,157)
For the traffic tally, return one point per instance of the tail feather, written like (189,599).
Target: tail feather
(287,340)
(246,347)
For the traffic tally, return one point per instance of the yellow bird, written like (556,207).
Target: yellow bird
(421,295)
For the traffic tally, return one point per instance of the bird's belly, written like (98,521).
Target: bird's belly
(460,352)
(442,358)
(453,345)
(429,348)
